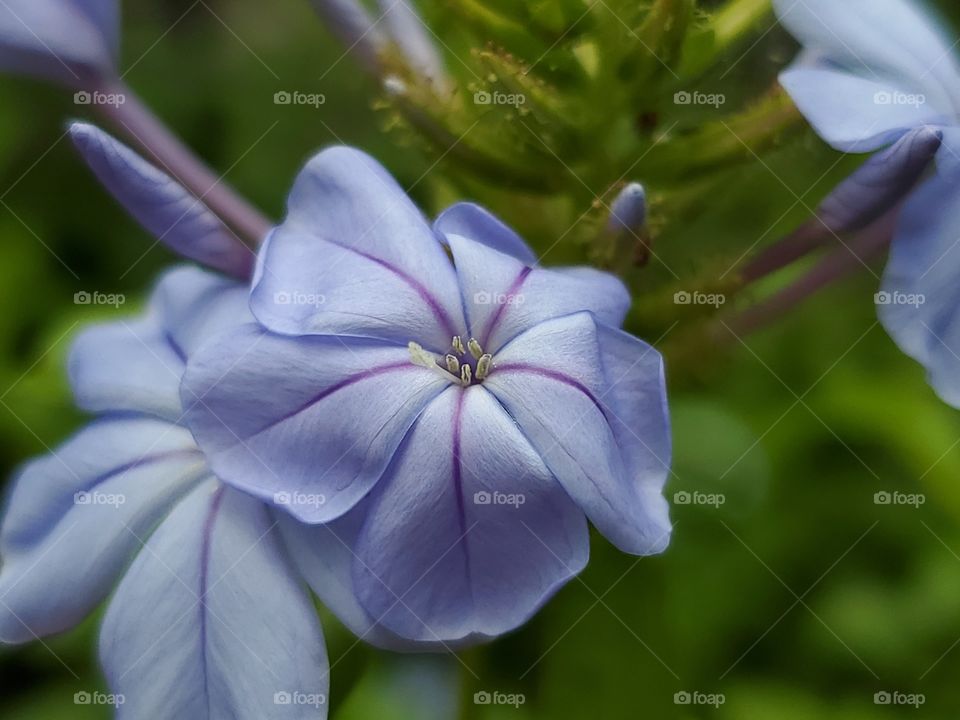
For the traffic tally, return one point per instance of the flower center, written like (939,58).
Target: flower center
(465,364)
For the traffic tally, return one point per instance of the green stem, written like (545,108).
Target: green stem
(736,19)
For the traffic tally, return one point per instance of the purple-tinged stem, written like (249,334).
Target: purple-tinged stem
(138,123)
(837,265)
(801,242)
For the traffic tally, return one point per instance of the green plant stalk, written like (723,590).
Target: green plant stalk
(736,19)
(736,139)
(727,27)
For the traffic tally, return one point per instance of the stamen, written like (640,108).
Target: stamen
(483,365)
(475,348)
(453,365)
(422,358)
(466,375)
(458,345)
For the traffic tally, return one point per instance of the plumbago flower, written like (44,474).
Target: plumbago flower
(453,411)
(874,72)
(210,618)
(73,42)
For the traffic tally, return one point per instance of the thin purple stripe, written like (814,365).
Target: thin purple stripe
(494,319)
(425,295)
(207,542)
(346,382)
(140,462)
(458,477)
(553,375)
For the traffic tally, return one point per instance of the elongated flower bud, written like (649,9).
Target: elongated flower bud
(161,205)
(356,29)
(880,182)
(415,42)
(67,41)
(629,210)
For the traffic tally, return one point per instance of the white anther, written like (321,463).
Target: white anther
(466,375)
(458,345)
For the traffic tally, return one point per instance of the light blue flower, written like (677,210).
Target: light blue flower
(74,42)
(211,618)
(456,422)
(872,73)
(871,70)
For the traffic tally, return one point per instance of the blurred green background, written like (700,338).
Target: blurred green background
(798,598)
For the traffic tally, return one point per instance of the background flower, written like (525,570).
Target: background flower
(74,42)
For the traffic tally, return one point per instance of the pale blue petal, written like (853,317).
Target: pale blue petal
(852,113)
(920,294)
(324,555)
(136,365)
(468,534)
(314,419)
(504,297)
(161,205)
(210,624)
(475,223)
(576,417)
(76,517)
(897,43)
(69,41)
(356,257)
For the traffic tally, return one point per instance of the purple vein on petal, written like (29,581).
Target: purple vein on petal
(438,311)
(138,463)
(346,382)
(207,541)
(458,476)
(494,319)
(553,375)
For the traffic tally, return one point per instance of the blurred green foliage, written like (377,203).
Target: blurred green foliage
(797,598)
